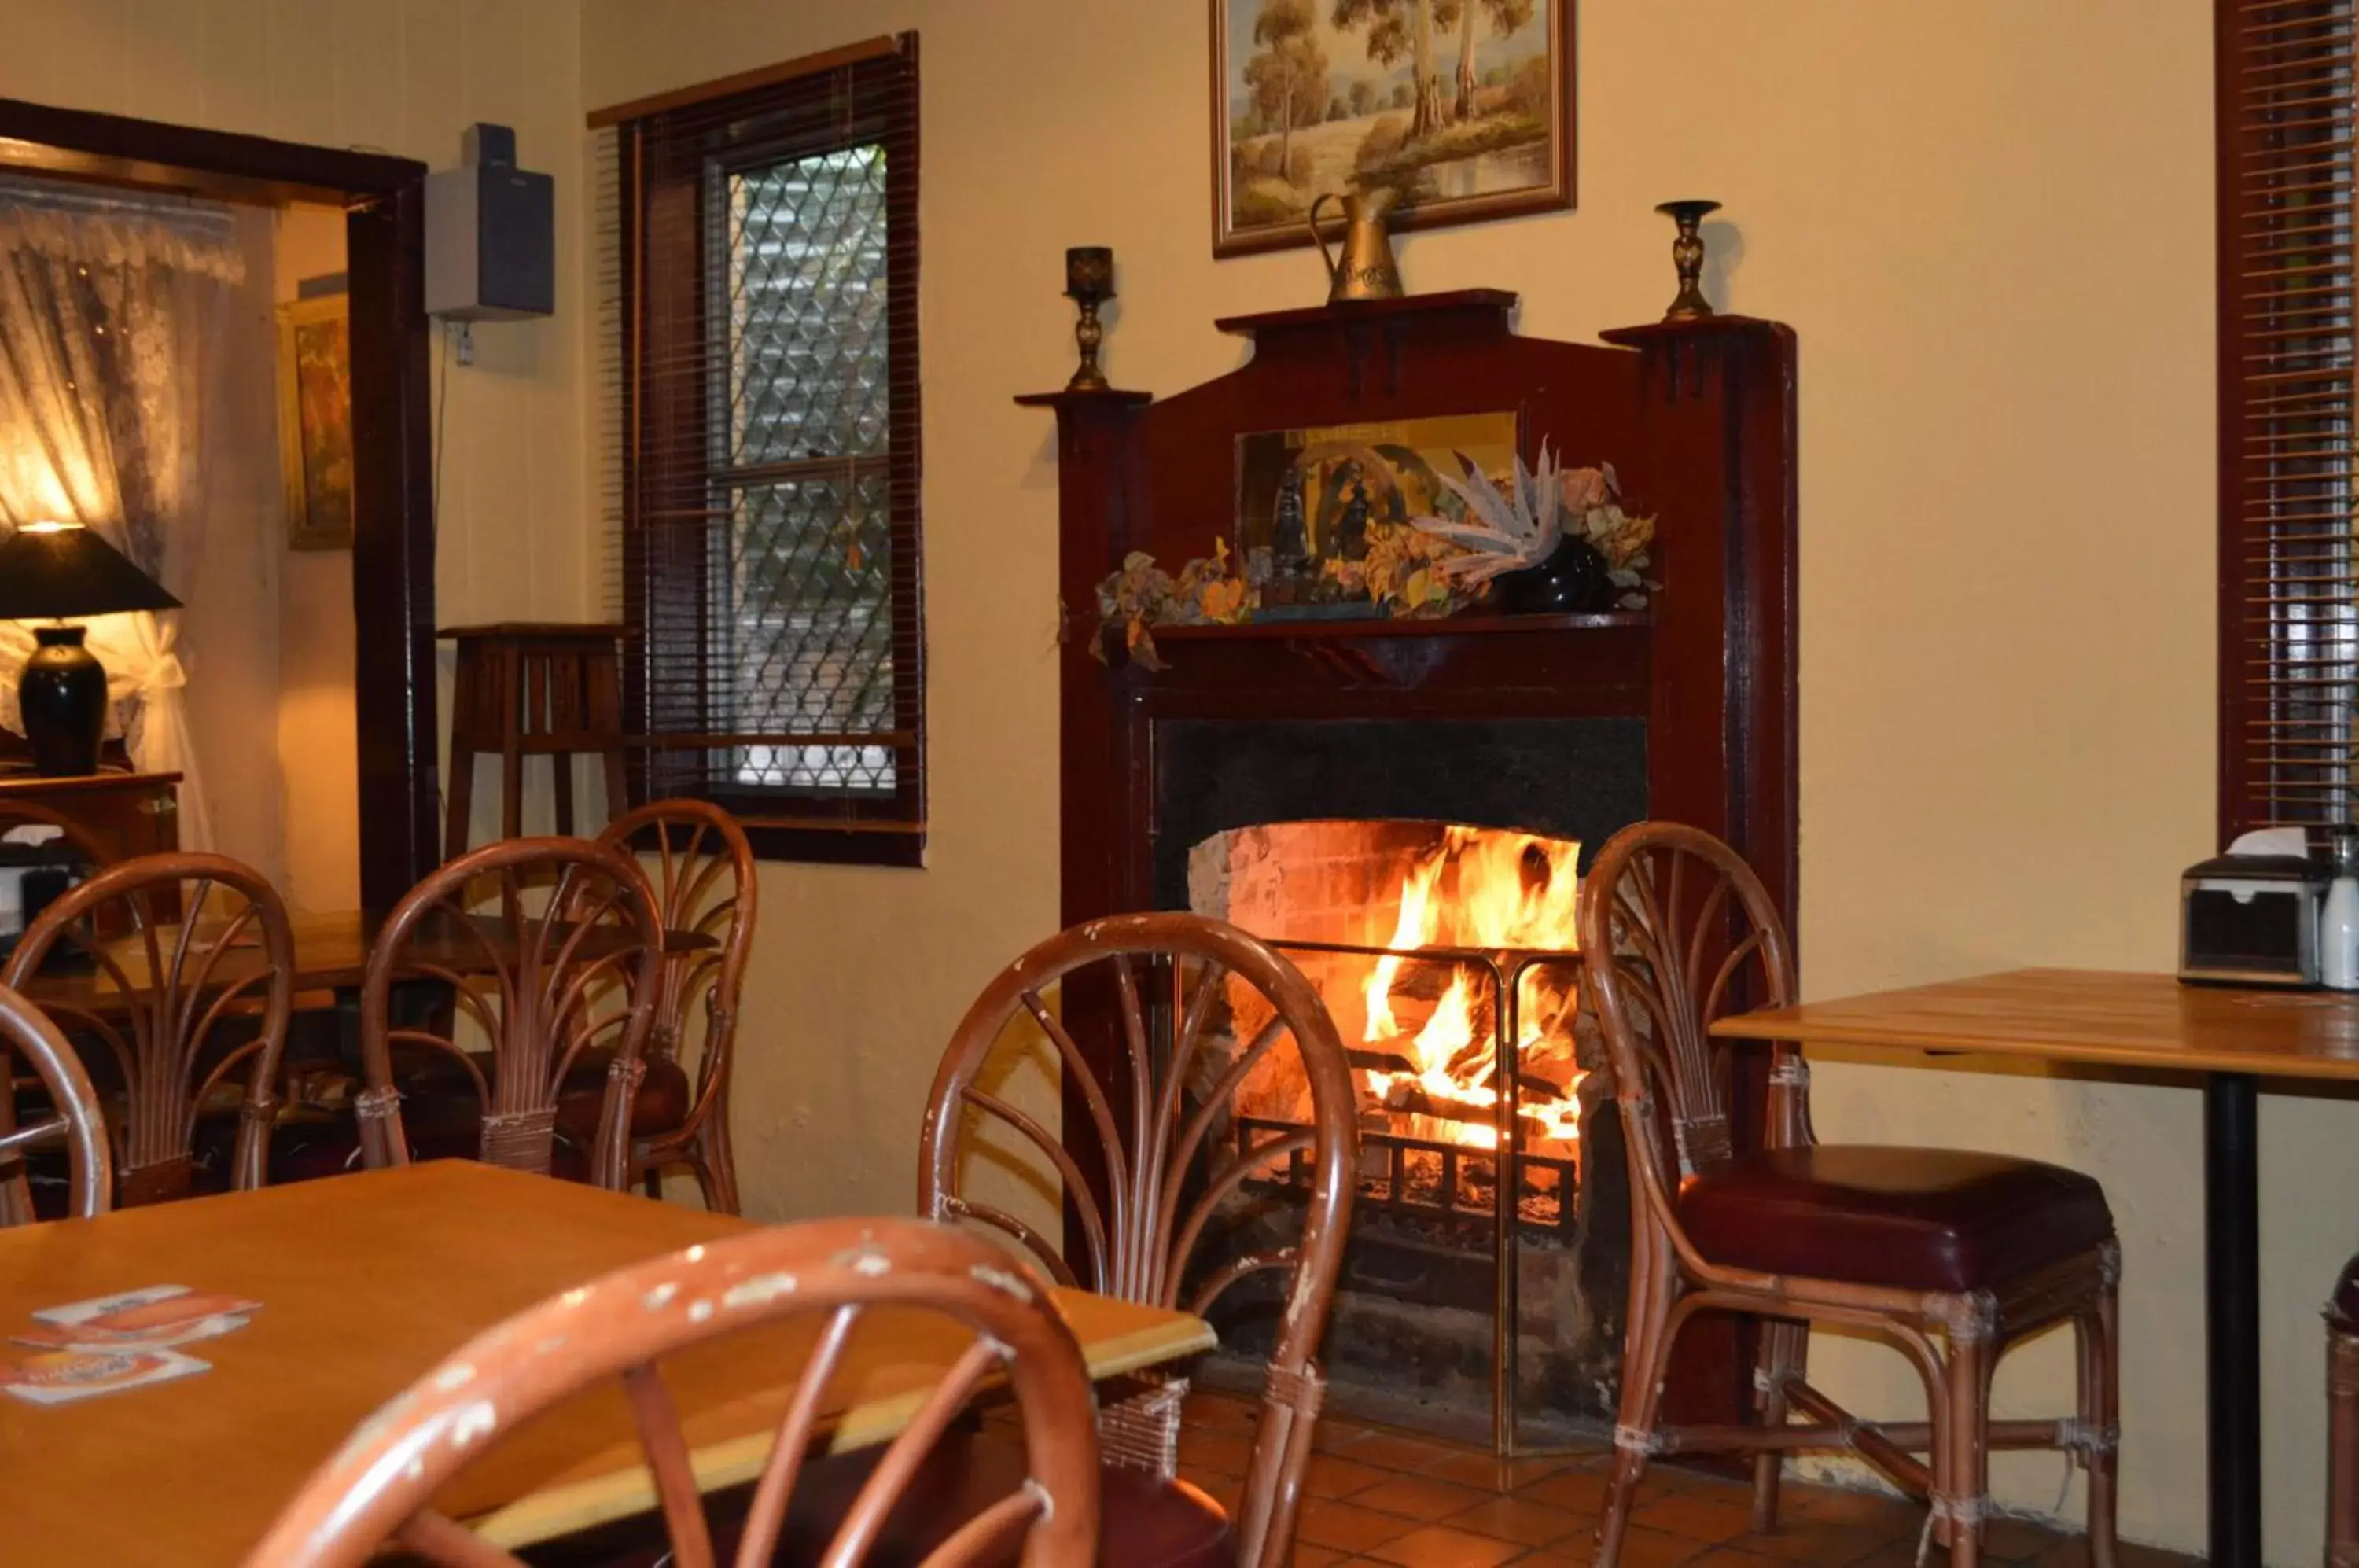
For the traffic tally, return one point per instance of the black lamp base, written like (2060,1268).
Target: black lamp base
(63,696)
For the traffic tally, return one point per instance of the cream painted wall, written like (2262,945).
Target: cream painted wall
(1991,224)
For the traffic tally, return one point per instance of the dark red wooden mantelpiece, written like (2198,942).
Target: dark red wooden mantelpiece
(1699,419)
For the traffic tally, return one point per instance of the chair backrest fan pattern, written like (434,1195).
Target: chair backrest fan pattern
(191,960)
(572,959)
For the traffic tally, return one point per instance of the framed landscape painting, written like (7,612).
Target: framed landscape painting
(1465,107)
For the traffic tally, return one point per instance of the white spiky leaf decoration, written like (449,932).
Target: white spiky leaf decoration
(1501,534)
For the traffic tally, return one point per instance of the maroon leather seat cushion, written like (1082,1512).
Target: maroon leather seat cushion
(662,1105)
(1925,1219)
(2342,1310)
(1143,1523)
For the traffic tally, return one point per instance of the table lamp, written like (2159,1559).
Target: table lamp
(49,571)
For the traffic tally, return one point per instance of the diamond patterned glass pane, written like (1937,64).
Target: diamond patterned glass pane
(809,641)
(806,293)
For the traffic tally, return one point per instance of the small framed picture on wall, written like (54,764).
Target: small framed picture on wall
(1463,107)
(315,420)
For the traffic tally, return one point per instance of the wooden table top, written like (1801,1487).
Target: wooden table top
(331,953)
(2102,1017)
(367,1283)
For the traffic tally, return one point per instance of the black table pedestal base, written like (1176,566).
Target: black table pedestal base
(2232,1280)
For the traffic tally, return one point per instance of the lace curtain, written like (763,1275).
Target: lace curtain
(110,307)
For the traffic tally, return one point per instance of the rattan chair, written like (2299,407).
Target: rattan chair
(380,1489)
(571,963)
(184,968)
(1160,978)
(2342,1420)
(74,1118)
(1948,1257)
(704,883)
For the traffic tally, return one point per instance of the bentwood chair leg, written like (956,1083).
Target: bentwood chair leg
(1782,1346)
(2099,1333)
(1644,1363)
(1968,1484)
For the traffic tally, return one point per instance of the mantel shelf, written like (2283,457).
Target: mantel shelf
(1450,625)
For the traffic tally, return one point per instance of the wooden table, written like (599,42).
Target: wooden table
(2231,1039)
(331,953)
(367,1281)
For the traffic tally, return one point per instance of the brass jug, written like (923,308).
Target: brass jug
(1365,270)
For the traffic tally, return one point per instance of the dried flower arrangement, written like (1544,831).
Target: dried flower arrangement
(1428,567)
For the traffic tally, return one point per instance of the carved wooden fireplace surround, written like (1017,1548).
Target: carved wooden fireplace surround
(1697,417)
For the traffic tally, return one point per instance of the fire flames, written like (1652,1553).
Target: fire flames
(1492,892)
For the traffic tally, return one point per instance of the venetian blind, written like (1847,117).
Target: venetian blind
(758,312)
(2289,576)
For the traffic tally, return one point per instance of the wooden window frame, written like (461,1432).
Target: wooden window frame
(657,429)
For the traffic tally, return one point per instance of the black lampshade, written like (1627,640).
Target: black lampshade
(49,570)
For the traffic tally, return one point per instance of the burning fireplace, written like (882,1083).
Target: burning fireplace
(1402,805)
(1446,953)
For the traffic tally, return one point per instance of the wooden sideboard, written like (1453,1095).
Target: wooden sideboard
(129,813)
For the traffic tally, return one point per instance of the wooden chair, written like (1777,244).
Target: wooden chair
(26,1032)
(704,883)
(190,969)
(2342,1420)
(572,964)
(380,1489)
(1158,1204)
(1948,1257)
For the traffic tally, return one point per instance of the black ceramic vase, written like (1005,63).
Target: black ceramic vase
(1571,580)
(63,697)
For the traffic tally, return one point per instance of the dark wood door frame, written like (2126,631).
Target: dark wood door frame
(393,456)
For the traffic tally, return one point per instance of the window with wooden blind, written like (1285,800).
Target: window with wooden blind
(2289,570)
(759,311)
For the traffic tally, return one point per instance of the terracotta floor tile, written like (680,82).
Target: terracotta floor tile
(1307,1556)
(1219,1450)
(1331,1476)
(1470,1468)
(1419,1497)
(1527,1523)
(1850,1505)
(1220,1413)
(1730,1557)
(1807,1540)
(1641,1548)
(1335,1435)
(1437,1546)
(1347,1527)
(1714,1515)
(1398,1451)
(1581,1491)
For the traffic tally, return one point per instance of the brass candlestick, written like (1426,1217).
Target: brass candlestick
(1687,255)
(1089,283)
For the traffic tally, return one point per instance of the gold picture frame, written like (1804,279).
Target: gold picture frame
(315,421)
(1496,89)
